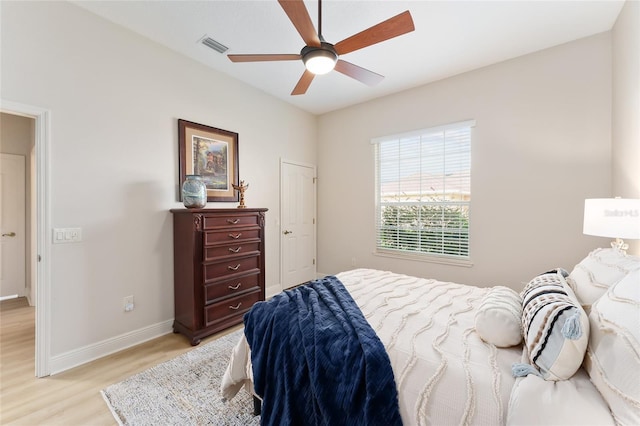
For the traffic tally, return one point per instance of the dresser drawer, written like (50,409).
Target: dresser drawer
(218,270)
(232,249)
(230,220)
(231,235)
(231,287)
(236,306)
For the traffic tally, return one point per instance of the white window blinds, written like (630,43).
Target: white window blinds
(423,187)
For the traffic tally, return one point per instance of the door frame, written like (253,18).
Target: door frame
(315,215)
(43,237)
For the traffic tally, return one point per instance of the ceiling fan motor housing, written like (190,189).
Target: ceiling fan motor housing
(319,60)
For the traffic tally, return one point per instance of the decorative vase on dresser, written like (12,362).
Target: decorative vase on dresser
(194,192)
(219,274)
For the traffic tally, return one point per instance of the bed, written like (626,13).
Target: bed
(456,353)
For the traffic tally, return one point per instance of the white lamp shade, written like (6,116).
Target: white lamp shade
(612,217)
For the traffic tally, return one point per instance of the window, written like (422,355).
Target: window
(423,188)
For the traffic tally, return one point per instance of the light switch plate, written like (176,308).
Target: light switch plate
(67,235)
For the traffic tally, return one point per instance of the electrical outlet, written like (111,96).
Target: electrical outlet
(353,261)
(128,304)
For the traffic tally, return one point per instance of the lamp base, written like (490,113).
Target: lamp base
(620,245)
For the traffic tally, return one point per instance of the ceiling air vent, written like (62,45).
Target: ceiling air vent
(218,47)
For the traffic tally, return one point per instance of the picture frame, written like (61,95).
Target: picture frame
(211,153)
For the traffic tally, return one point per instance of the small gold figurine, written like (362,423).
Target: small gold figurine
(241,188)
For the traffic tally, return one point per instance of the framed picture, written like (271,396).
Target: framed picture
(211,153)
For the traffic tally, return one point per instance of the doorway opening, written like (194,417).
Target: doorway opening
(37,221)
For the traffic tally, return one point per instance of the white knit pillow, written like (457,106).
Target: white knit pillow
(498,317)
(554,326)
(602,268)
(575,402)
(613,354)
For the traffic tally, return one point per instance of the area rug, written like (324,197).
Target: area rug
(182,391)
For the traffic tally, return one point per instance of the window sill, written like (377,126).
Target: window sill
(442,260)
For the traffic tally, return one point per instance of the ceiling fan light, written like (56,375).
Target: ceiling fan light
(320,61)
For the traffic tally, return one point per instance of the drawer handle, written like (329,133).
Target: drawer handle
(235,308)
(235,287)
(235,237)
(233,221)
(233,268)
(235,250)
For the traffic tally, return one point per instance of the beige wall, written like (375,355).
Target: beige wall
(16,134)
(626,106)
(115,99)
(541,145)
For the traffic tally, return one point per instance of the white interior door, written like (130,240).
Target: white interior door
(12,224)
(297,223)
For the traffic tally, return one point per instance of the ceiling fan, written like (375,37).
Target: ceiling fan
(320,57)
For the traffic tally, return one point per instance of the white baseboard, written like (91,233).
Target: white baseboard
(68,360)
(272,290)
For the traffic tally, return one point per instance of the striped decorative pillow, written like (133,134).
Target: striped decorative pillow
(555,327)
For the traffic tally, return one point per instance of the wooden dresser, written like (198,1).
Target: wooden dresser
(218,257)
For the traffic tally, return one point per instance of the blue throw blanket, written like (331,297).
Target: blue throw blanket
(317,361)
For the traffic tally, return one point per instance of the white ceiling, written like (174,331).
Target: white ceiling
(451,37)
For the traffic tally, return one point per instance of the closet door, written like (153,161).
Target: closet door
(297,224)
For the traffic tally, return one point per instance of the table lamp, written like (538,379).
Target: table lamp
(613,217)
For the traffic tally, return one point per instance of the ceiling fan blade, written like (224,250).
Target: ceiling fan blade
(264,57)
(363,75)
(299,16)
(392,27)
(303,83)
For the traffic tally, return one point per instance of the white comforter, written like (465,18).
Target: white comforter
(444,372)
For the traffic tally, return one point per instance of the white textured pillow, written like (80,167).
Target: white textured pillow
(554,326)
(613,354)
(498,317)
(602,268)
(576,401)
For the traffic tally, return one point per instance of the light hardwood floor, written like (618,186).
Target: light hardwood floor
(73,397)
